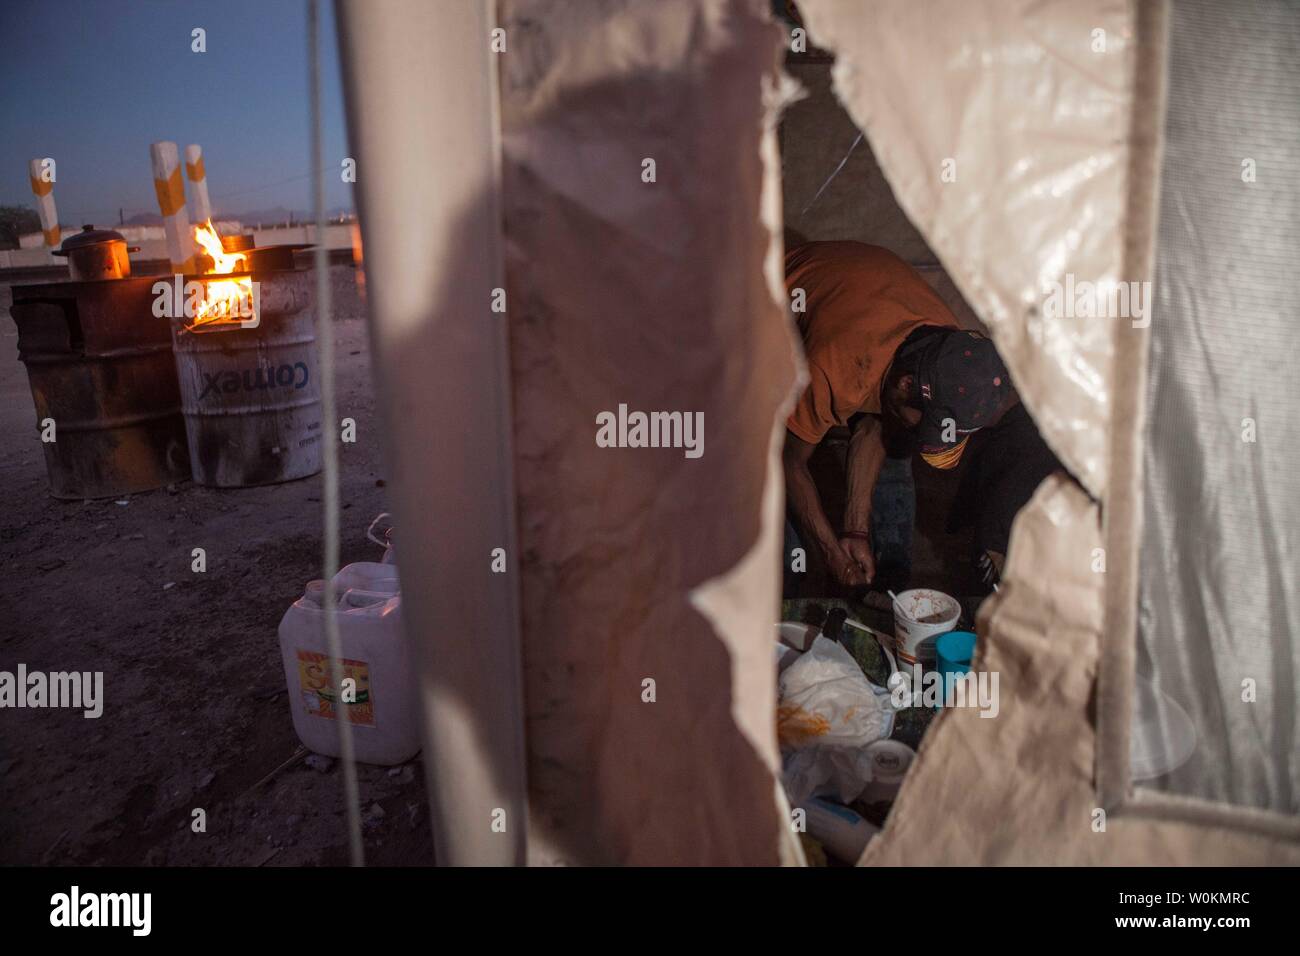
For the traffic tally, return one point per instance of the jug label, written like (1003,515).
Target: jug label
(318,694)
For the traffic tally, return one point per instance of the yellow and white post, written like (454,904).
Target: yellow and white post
(169,186)
(41,172)
(200,207)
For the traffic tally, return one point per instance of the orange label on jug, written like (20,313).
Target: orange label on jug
(315,680)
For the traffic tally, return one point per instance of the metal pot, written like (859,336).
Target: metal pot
(97,254)
(236,243)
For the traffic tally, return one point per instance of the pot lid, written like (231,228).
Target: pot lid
(90,236)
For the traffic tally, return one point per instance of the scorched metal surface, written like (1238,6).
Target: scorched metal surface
(101,370)
(251,396)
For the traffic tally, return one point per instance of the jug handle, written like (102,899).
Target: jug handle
(370,532)
(347,597)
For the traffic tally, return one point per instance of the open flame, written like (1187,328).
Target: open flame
(225,301)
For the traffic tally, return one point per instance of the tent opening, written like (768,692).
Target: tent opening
(893,350)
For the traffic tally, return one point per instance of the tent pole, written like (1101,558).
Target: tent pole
(421,88)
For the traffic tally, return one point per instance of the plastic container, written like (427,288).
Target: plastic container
(920,616)
(1162,737)
(797,635)
(386,542)
(953,653)
(842,832)
(368,576)
(386,713)
(890,761)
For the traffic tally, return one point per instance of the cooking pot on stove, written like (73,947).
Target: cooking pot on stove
(97,254)
(259,258)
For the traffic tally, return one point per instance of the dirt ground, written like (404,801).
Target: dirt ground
(195,710)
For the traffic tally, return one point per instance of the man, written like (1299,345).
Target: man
(888,362)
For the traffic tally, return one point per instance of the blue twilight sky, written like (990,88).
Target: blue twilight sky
(92,83)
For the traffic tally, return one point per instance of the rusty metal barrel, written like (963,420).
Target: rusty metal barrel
(99,362)
(251,396)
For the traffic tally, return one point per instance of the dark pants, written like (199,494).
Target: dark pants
(893,515)
(1001,469)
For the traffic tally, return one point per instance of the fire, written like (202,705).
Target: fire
(225,301)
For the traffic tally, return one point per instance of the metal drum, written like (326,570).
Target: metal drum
(251,396)
(101,371)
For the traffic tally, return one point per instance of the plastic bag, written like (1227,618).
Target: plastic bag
(827,713)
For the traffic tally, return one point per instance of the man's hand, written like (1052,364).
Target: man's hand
(849,560)
(846,562)
(860,552)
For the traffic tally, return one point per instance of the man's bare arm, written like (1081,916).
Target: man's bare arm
(809,515)
(865,458)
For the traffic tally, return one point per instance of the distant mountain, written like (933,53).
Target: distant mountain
(274,214)
(279,214)
(144,219)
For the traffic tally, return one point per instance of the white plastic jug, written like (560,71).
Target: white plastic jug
(385,709)
(386,542)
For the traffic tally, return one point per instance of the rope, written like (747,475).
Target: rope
(832,176)
(329,413)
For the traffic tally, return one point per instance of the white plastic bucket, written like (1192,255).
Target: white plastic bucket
(920,616)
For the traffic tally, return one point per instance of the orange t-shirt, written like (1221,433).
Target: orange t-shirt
(860,303)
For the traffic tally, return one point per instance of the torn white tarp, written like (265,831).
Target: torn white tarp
(1002,127)
(643,271)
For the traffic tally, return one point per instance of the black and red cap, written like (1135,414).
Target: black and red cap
(958,381)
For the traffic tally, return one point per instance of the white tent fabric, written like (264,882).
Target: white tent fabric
(648,580)
(431,226)
(655,287)
(1054,183)
(1018,789)
(1220,572)
(1000,125)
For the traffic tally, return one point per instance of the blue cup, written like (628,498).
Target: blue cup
(954,651)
